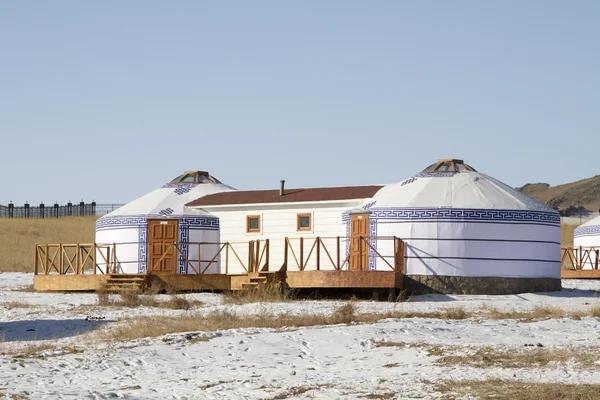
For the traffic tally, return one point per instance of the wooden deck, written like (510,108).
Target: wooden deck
(580,274)
(191,282)
(344,279)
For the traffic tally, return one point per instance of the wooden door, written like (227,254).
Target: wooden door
(162,257)
(359,251)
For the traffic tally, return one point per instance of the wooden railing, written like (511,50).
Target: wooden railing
(579,257)
(97,258)
(72,258)
(326,256)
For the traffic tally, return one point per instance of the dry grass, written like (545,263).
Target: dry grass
(504,357)
(18,304)
(499,389)
(528,357)
(539,313)
(220,320)
(133,299)
(271,292)
(19,237)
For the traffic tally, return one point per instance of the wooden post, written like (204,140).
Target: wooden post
(114,268)
(250,255)
(77,259)
(596,263)
(226,258)
(256,257)
(318,253)
(47,260)
(338,253)
(267,253)
(108,261)
(37,260)
(61,259)
(95,256)
(301,254)
(285,253)
(360,266)
(580,257)
(200,260)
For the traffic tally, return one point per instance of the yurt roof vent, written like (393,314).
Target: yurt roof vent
(195,177)
(449,165)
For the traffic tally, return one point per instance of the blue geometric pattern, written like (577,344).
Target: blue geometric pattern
(189,186)
(183,189)
(124,221)
(142,248)
(434,174)
(587,231)
(166,211)
(467,214)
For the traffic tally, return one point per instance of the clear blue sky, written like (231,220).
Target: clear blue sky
(108,100)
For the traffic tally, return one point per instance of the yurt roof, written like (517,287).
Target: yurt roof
(590,228)
(170,200)
(452,183)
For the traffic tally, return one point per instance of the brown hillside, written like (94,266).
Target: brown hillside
(583,193)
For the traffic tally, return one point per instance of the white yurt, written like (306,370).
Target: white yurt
(587,237)
(140,231)
(464,232)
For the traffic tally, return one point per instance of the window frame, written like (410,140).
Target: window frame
(304,229)
(248,218)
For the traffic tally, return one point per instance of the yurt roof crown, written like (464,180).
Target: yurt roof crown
(449,165)
(195,177)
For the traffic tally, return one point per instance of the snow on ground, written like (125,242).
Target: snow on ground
(339,361)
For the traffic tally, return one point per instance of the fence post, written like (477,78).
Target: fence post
(267,253)
(227,258)
(11,210)
(360,263)
(37,259)
(285,253)
(69,208)
(338,252)
(42,209)
(318,253)
(26,206)
(301,254)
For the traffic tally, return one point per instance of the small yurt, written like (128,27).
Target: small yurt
(587,237)
(140,232)
(464,232)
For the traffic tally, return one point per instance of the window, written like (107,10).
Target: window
(253,223)
(304,222)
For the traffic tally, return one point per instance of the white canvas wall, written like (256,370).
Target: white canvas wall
(127,249)
(474,249)
(279,221)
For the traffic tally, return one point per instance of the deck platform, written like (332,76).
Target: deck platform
(93,282)
(580,274)
(344,279)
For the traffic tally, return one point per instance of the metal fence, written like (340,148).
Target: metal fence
(56,210)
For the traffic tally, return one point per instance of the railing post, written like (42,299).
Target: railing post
(61,259)
(227,258)
(47,259)
(250,255)
(200,260)
(318,253)
(107,265)
(338,252)
(94,257)
(36,261)
(267,252)
(580,257)
(114,267)
(77,259)
(256,267)
(285,253)
(597,255)
(360,261)
(301,254)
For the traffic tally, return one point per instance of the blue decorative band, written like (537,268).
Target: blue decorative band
(434,174)
(188,186)
(467,214)
(587,231)
(135,221)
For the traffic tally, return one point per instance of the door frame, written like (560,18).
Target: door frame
(175,263)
